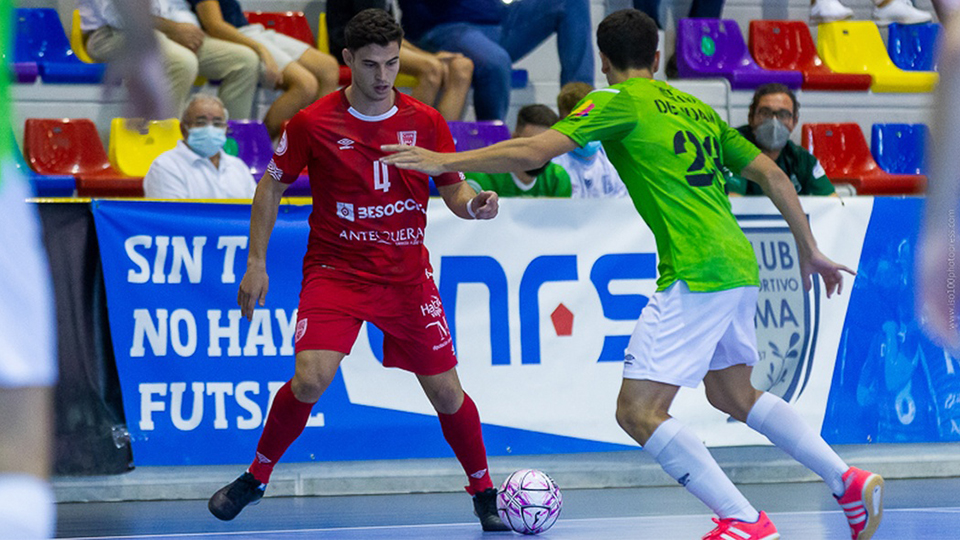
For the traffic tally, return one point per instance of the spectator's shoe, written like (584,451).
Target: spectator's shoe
(824,11)
(862,502)
(671,70)
(233,497)
(485,507)
(731,528)
(900,11)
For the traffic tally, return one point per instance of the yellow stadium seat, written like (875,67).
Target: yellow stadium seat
(132,151)
(76,40)
(856,47)
(323,45)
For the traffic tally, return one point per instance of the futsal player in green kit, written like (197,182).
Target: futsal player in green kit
(28,362)
(699,326)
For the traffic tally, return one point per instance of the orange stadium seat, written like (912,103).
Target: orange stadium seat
(72,146)
(845,156)
(788,45)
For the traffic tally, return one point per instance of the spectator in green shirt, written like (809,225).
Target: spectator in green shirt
(773,115)
(549,180)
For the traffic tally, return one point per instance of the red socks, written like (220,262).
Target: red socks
(463,434)
(285,422)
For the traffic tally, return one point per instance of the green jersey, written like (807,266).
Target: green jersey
(669,148)
(552,182)
(6,141)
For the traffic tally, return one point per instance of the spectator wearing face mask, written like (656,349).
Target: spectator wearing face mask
(548,180)
(592,176)
(198,168)
(774,113)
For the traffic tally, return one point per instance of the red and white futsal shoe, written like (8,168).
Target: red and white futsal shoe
(734,529)
(862,502)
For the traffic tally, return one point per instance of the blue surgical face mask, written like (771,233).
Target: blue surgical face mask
(588,150)
(207,140)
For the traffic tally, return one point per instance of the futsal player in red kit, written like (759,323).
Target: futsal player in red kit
(365,258)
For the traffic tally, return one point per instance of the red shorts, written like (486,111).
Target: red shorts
(416,337)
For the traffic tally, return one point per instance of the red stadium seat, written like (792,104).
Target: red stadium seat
(845,156)
(291,23)
(73,147)
(788,45)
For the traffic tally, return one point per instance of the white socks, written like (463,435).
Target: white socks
(684,457)
(26,507)
(777,420)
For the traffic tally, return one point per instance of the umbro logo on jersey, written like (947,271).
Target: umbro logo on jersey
(346,144)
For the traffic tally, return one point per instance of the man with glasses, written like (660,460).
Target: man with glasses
(774,112)
(198,168)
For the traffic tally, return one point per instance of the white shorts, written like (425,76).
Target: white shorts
(681,335)
(283,48)
(27,324)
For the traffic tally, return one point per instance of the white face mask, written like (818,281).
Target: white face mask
(207,140)
(772,134)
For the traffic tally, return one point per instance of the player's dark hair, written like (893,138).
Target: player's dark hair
(774,88)
(372,26)
(571,94)
(628,38)
(536,115)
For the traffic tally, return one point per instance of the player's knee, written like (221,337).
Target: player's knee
(308,387)
(638,422)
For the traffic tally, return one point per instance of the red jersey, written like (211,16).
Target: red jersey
(368,217)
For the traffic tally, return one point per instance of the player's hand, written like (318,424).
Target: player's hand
(414,157)
(486,205)
(936,295)
(187,35)
(253,290)
(830,271)
(271,72)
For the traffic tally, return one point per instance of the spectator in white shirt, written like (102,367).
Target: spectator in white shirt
(198,168)
(187,51)
(592,176)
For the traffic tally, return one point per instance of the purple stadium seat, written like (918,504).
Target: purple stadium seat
(25,72)
(253,144)
(472,135)
(708,48)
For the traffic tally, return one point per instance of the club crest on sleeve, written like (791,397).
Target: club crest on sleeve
(301,329)
(408,138)
(282,147)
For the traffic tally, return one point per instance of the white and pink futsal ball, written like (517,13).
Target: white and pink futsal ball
(529,501)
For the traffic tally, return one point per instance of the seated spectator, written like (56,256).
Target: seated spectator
(549,180)
(592,176)
(198,168)
(884,12)
(443,78)
(495,34)
(301,71)
(773,114)
(187,51)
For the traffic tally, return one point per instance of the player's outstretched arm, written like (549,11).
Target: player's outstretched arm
(778,187)
(521,154)
(936,297)
(263,216)
(466,203)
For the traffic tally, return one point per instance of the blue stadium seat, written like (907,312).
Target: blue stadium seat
(44,185)
(39,37)
(913,46)
(899,148)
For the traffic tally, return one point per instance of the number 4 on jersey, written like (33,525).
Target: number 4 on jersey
(381,176)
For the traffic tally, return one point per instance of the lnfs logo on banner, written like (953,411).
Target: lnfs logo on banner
(788,317)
